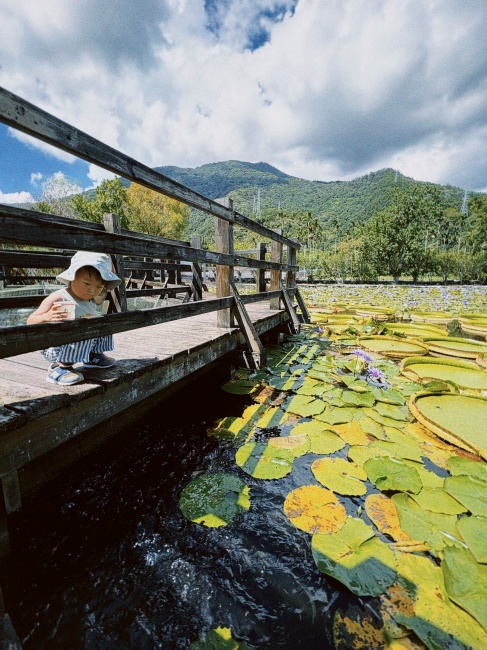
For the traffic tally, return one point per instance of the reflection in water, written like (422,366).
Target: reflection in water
(104,558)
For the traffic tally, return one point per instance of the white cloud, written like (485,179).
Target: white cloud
(36,178)
(16,197)
(98,175)
(341,88)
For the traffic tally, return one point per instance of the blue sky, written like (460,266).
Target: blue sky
(321,89)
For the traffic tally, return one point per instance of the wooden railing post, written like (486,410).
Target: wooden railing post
(197,279)
(119,296)
(260,273)
(224,274)
(291,275)
(276,256)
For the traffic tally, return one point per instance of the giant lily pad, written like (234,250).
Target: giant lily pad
(264,461)
(416,331)
(460,419)
(315,510)
(436,529)
(434,317)
(340,475)
(356,558)
(462,373)
(214,499)
(474,326)
(455,347)
(392,474)
(390,346)
(466,582)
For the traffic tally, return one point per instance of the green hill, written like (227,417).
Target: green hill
(337,203)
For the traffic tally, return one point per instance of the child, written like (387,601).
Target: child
(89,277)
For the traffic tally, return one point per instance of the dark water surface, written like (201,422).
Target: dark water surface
(104,558)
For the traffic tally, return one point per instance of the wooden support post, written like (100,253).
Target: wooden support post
(289,307)
(197,279)
(276,256)
(302,305)
(119,295)
(3,277)
(291,275)
(257,350)
(11,492)
(224,274)
(260,273)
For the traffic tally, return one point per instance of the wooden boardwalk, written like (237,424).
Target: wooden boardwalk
(38,418)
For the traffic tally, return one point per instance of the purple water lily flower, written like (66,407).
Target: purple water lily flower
(363,355)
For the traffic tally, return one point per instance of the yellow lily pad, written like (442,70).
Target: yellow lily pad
(305,406)
(383,513)
(340,475)
(352,433)
(315,510)
(459,466)
(325,442)
(264,461)
(298,444)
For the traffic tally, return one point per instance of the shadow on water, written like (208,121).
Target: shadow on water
(104,558)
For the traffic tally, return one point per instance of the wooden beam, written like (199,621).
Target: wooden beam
(289,307)
(276,258)
(197,275)
(252,339)
(260,273)
(224,273)
(11,492)
(20,226)
(302,306)
(22,115)
(119,297)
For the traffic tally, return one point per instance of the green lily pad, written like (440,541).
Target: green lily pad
(392,411)
(240,386)
(371,426)
(214,499)
(456,347)
(459,465)
(353,398)
(388,473)
(469,491)
(410,451)
(466,582)
(336,415)
(285,383)
(438,530)
(264,461)
(340,475)
(437,500)
(389,396)
(298,444)
(325,442)
(355,557)
(474,533)
(416,331)
(305,406)
(459,419)
(360,455)
(390,346)
(462,373)
(428,611)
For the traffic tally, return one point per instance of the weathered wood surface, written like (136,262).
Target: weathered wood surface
(36,417)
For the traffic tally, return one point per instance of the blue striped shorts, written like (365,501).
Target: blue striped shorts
(80,351)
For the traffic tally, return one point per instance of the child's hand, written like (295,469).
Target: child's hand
(55,314)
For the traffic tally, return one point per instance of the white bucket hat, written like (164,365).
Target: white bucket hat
(101,262)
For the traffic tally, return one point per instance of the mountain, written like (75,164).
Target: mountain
(337,202)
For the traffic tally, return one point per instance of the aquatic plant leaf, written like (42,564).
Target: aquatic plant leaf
(474,533)
(398,450)
(459,465)
(352,433)
(392,411)
(359,454)
(315,510)
(470,491)
(438,451)
(372,427)
(396,348)
(437,500)
(336,415)
(418,600)
(357,399)
(219,638)
(298,444)
(382,511)
(438,530)
(459,419)
(466,582)
(357,629)
(315,390)
(456,347)
(214,499)
(463,374)
(388,396)
(273,416)
(305,406)
(264,461)
(237,429)
(428,479)
(392,474)
(373,414)
(240,386)
(339,475)
(325,442)
(355,557)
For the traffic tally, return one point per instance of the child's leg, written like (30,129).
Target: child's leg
(96,357)
(61,370)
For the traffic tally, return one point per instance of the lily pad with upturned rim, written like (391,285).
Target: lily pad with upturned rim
(394,347)
(455,347)
(462,373)
(459,419)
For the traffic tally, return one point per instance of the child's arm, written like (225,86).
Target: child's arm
(47,312)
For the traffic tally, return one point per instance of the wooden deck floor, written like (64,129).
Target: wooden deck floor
(37,417)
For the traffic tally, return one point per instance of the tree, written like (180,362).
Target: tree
(398,236)
(155,214)
(477,209)
(110,198)
(57,192)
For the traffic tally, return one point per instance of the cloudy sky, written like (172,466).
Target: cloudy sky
(321,89)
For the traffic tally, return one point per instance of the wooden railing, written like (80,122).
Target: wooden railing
(133,251)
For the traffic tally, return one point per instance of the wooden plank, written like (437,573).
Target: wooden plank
(156,266)
(119,296)
(275,283)
(11,492)
(288,305)
(22,115)
(224,274)
(260,273)
(27,260)
(302,306)
(10,420)
(248,330)
(20,226)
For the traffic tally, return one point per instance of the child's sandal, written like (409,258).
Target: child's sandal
(63,376)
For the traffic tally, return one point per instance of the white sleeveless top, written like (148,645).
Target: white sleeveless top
(83,308)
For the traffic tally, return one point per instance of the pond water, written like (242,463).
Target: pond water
(105,559)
